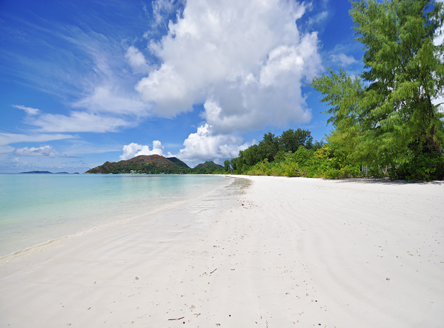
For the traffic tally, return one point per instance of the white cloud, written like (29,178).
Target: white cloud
(168,90)
(77,122)
(134,149)
(107,87)
(343,59)
(203,145)
(111,100)
(44,151)
(137,60)
(245,60)
(162,8)
(11,138)
(318,18)
(28,110)
(6,149)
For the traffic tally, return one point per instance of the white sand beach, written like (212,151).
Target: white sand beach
(263,252)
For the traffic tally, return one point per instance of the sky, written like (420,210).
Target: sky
(88,81)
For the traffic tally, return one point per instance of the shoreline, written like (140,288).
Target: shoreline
(28,251)
(61,233)
(271,252)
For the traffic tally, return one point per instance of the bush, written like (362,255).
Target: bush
(428,167)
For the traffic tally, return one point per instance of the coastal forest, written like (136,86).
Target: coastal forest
(385,120)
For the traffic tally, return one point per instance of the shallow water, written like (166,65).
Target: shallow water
(35,208)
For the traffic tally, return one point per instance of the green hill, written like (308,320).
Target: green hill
(177,161)
(152,164)
(208,167)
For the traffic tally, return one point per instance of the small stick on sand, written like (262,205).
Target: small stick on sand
(176,319)
(213,271)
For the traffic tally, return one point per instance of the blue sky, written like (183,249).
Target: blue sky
(84,82)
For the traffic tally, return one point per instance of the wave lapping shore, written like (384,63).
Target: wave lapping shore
(264,251)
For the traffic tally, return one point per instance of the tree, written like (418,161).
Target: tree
(388,116)
(290,140)
(233,163)
(268,147)
(251,155)
(227,164)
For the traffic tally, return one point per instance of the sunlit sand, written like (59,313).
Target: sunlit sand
(265,252)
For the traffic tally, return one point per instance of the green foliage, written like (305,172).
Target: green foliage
(283,168)
(386,116)
(227,165)
(272,148)
(428,166)
(307,163)
(155,164)
(208,167)
(291,140)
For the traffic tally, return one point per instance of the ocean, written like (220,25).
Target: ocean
(36,208)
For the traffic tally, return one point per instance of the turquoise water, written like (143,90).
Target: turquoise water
(35,208)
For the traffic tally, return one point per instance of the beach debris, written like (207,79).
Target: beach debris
(213,271)
(176,319)
(137,278)
(387,278)
(217,324)
(88,308)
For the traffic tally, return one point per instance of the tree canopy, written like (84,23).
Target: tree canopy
(386,116)
(272,147)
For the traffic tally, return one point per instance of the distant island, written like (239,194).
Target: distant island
(43,172)
(154,164)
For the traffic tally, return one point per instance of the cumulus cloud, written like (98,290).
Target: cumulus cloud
(245,60)
(44,151)
(162,8)
(204,145)
(343,59)
(137,60)
(28,110)
(134,149)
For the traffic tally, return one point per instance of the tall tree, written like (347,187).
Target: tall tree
(227,165)
(268,147)
(290,140)
(390,114)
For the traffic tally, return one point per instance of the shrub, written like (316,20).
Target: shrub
(428,166)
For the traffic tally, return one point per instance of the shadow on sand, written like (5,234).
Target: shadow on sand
(390,182)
